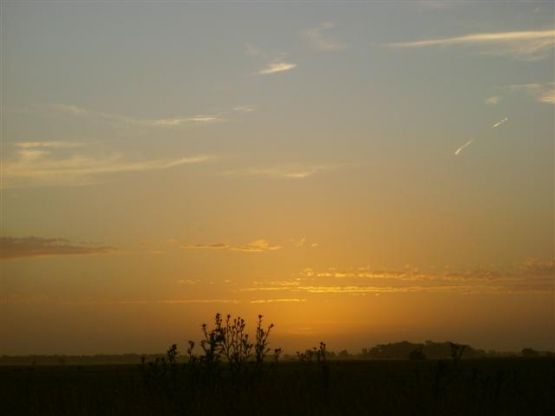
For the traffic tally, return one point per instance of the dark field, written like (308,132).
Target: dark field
(514,386)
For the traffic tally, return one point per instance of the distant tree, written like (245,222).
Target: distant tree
(457,351)
(417,354)
(432,350)
(344,354)
(529,353)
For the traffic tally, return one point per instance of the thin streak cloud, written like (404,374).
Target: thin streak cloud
(33,166)
(548,97)
(140,122)
(256,246)
(80,165)
(277,67)
(281,300)
(533,44)
(48,145)
(244,109)
(468,143)
(464,146)
(27,299)
(172,301)
(500,123)
(481,37)
(284,172)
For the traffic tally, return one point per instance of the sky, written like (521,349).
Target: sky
(357,172)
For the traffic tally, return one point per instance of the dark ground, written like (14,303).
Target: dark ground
(514,386)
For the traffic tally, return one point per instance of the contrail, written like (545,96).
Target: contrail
(460,149)
(468,143)
(500,123)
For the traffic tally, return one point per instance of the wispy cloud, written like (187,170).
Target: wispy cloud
(275,64)
(436,4)
(534,44)
(168,122)
(500,123)
(548,97)
(493,100)
(13,247)
(253,50)
(300,242)
(536,267)
(43,299)
(533,276)
(281,300)
(277,67)
(36,164)
(319,40)
(543,93)
(188,282)
(48,145)
(256,246)
(170,301)
(460,149)
(285,172)
(174,122)
(244,108)
(303,242)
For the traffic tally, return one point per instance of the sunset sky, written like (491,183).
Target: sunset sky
(358,173)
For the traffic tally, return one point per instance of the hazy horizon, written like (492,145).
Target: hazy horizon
(358,173)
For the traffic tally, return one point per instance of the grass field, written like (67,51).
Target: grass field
(515,386)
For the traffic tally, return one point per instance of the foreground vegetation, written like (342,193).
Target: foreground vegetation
(231,374)
(394,387)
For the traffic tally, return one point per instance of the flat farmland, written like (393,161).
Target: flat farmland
(515,386)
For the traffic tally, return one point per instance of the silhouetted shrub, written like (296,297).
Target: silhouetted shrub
(261,345)
(229,341)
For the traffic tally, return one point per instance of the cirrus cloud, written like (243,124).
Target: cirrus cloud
(72,110)
(256,246)
(288,171)
(37,164)
(532,44)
